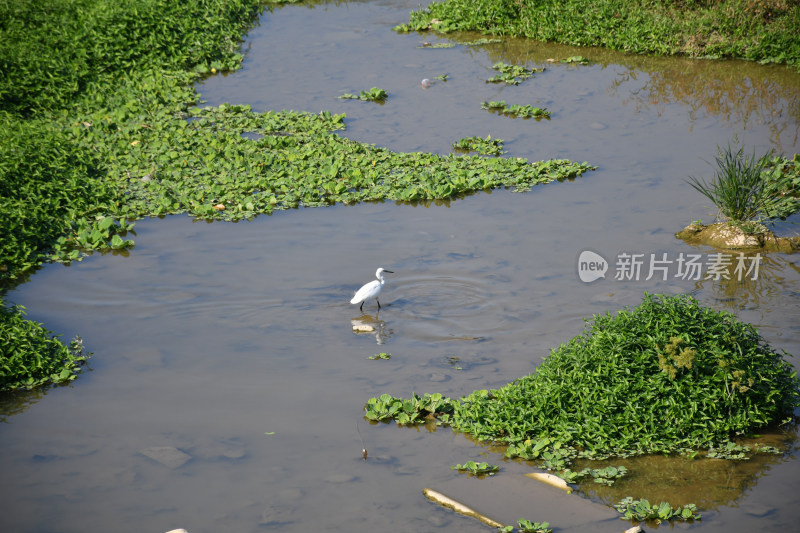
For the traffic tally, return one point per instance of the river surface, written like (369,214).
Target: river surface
(235,343)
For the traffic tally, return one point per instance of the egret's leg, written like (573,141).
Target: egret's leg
(362,307)
(379,302)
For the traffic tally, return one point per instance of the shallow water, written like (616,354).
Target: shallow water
(235,344)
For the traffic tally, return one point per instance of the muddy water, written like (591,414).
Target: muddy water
(234,343)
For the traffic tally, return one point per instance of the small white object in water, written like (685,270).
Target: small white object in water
(427,83)
(371,289)
(550,479)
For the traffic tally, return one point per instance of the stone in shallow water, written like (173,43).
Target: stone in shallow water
(166,455)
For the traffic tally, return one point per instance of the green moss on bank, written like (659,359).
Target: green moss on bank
(767,31)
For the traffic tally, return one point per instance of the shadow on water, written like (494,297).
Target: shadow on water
(230,372)
(711,484)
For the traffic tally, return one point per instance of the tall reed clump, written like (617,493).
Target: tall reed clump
(741,189)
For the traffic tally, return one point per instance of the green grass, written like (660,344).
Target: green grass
(749,188)
(767,31)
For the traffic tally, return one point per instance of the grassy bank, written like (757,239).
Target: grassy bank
(767,31)
(98,128)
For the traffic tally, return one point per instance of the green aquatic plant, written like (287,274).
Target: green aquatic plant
(511,74)
(480,42)
(487,146)
(373,95)
(32,355)
(477,469)
(730,451)
(516,110)
(643,510)
(414,410)
(382,355)
(526,526)
(602,476)
(526,111)
(576,59)
(604,392)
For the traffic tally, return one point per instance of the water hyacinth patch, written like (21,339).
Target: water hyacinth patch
(197,165)
(516,110)
(643,510)
(526,526)
(373,95)
(414,410)
(603,476)
(487,146)
(477,469)
(511,74)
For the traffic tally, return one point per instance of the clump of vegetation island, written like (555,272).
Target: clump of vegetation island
(757,30)
(511,74)
(664,377)
(487,146)
(748,192)
(516,110)
(373,95)
(99,127)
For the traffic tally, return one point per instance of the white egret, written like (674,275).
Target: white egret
(371,289)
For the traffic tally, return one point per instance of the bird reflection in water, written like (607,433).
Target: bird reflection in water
(369,325)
